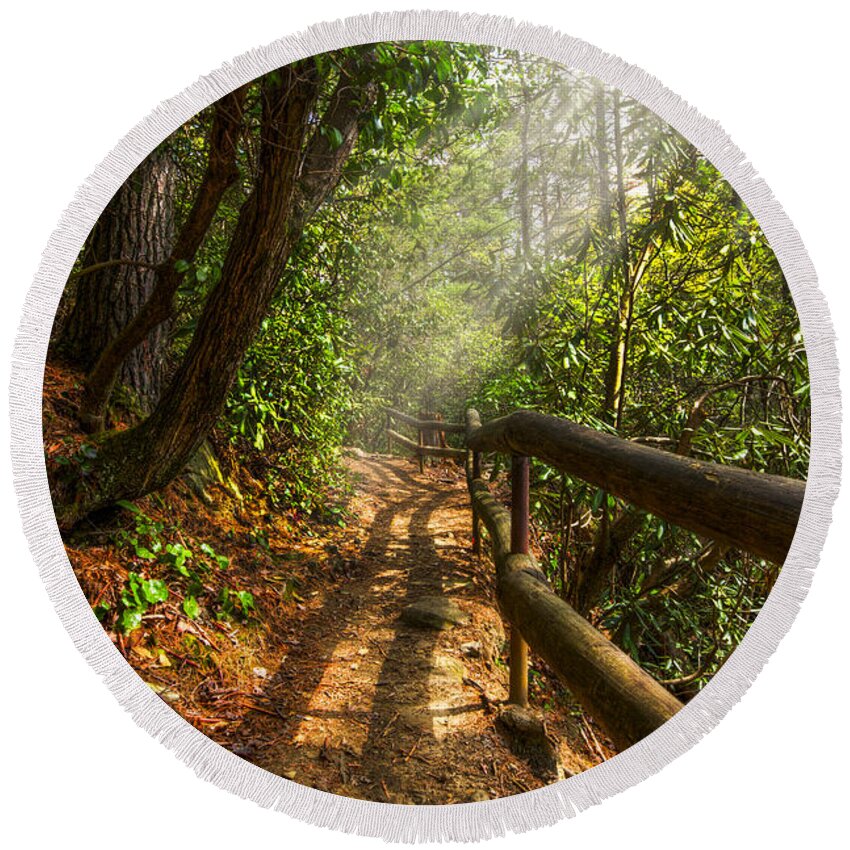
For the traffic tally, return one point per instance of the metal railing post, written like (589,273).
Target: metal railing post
(519,546)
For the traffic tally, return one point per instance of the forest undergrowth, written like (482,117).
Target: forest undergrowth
(278,634)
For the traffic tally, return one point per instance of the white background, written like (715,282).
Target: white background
(77,76)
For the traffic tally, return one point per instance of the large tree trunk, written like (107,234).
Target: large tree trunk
(133,235)
(620,345)
(608,258)
(290,185)
(148,320)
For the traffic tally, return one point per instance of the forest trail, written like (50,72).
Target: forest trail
(481,230)
(377,708)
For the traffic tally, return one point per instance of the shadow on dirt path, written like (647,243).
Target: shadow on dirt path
(368,706)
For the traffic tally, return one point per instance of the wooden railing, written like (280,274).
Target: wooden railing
(422,426)
(752,511)
(749,510)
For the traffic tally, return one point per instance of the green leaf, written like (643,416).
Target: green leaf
(129,620)
(154,590)
(129,506)
(334,137)
(190,607)
(177,555)
(598,498)
(246,599)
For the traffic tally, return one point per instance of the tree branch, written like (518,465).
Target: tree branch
(108,264)
(324,161)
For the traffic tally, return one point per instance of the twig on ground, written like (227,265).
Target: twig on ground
(413,748)
(392,720)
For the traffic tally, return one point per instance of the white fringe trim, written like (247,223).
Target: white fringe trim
(469,821)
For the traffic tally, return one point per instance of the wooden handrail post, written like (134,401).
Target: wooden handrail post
(476,520)
(389,435)
(421,440)
(626,701)
(519,546)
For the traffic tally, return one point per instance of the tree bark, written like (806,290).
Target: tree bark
(603,173)
(616,391)
(609,542)
(133,235)
(158,306)
(523,194)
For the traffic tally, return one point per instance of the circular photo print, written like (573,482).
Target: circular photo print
(426,422)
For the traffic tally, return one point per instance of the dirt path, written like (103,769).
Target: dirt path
(369,706)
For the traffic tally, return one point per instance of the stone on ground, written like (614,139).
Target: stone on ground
(434,612)
(528,739)
(444,667)
(471,649)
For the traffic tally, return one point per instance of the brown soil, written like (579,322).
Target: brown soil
(371,707)
(323,683)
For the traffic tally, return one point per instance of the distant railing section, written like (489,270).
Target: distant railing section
(425,428)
